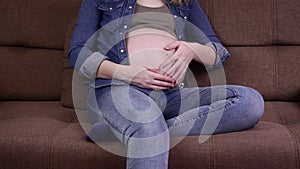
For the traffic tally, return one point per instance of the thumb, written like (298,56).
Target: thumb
(172,45)
(155,70)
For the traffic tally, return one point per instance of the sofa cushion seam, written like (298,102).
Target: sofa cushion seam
(292,133)
(275,72)
(274,22)
(213,153)
(73,119)
(51,144)
(278,114)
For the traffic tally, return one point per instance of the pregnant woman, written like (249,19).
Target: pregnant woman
(137,69)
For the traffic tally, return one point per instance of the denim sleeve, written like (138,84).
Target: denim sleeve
(221,55)
(201,31)
(81,55)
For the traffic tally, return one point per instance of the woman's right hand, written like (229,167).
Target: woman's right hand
(149,78)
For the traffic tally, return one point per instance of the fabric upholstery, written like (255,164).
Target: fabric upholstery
(32,37)
(30,74)
(238,150)
(255,22)
(35,109)
(243,22)
(40,129)
(66,94)
(33,23)
(276,77)
(287,22)
(50,134)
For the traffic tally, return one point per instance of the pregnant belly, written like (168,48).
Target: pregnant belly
(146,47)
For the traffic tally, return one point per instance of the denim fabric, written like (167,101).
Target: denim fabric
(144,120)
(90,47)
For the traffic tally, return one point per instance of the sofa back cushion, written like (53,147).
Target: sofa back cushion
(33,23)
(255,22)
(30,74)
(31,47)
(263,38)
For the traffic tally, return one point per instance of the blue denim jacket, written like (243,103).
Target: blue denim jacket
(102,25)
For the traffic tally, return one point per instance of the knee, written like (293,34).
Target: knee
(152,129)
(255,103)
(252,104)
(147,139)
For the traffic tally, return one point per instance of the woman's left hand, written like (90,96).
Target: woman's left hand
(177,64)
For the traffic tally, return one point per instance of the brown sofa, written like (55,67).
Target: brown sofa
(39,128)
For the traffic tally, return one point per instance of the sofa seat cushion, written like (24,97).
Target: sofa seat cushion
(39,142)
(267,145)
(44,109)
(286,113)
(51,135)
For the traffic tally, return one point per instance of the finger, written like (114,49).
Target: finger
(172,45)
(172,70)
(169,52)
(157,87)
(179,53)
(151,86)
(168,62)
(173,58)
(162,72)
(155,70)
(157,84)
(180,78)
(181,67)
(162,83)
(181,70)
(161,77)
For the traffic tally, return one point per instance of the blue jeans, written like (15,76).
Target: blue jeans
(143,120)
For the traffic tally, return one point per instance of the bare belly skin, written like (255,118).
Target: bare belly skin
(146,47)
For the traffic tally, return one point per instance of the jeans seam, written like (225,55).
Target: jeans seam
(175,103)
(233,91)
(188,98)
(113,122)
(203,114)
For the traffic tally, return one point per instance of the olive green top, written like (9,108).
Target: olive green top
(153,17)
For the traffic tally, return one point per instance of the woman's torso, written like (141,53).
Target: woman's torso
(152,28)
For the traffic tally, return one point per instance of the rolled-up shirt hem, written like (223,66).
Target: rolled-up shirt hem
(90,66)
(221,55)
